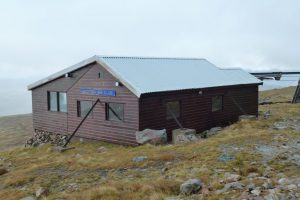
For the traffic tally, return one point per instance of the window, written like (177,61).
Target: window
(115,111)
(217,103)
(62,102)
(83,108)
(52,101)
(57,101)
(173,109)
(99,75)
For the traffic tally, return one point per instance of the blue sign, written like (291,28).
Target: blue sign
(93,91)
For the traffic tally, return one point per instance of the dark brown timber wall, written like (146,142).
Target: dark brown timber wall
(196,109)
(147,112)
(96,126)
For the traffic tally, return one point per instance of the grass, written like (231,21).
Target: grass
(278,95)
(83,173)
(14,130)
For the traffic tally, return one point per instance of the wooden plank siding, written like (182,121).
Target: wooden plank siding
(148,111)
(96,126)
(43,119)
(196,109)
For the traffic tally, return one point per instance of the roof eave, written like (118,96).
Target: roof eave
(62,72)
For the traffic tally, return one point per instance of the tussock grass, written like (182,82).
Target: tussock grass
(113,175)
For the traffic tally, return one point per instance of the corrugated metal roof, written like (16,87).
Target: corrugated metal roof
(147,75)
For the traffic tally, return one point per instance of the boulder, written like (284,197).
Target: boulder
(191,186)
(184,135)
(151,136)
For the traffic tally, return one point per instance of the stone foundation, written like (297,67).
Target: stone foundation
(43,137)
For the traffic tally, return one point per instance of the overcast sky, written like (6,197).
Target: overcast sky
(38,38)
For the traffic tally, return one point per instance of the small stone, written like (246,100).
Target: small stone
(3,171)
(168,163)
(250,187)
(225,157)
(191,186)
(229,178)
(139,158)
(101,149)
(41,192)
(234,186)
(283,181)
(256,192)
(253,175)
(268,185)
(81,140)
(291,187)
(78,155)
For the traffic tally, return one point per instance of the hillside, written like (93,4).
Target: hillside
(251,159)
(278,95)
(14,130)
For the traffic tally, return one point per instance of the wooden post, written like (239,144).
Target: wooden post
(296,98)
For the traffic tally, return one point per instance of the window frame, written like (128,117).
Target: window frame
(91,115)
(57,93)
(169,115)
(107,112)
(59,103)
(212,104)
(49,101)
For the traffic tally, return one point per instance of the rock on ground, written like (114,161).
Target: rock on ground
(184,135)
(151,136)
(231,186)
(101,149)
(229,178)
(41,192)
(139,158)
(211,132)
(191,186)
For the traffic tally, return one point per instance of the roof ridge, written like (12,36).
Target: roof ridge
(150,57)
